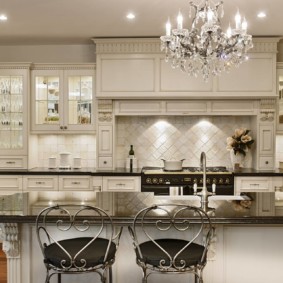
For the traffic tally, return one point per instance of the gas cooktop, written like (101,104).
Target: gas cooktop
(186,170)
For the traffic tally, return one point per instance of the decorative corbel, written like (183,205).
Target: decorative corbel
(105,110)
(9,234)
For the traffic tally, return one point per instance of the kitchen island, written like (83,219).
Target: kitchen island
(246,247)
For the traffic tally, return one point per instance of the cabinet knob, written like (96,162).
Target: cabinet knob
(61,127)
(266,162)
(65,127)
(104,162)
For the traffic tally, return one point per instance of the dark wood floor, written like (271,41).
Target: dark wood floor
(3,266)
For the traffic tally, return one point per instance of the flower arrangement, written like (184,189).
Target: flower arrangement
(240,142)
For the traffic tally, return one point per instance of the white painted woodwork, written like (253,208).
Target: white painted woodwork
(174,80)
(11,183)
(13,162)
(40,183)
(121,184)
(17,156)
(97,183)
(253,184)
(105,162)
(255,75)
(266,163)
(74,183)
(67,109)
(125,74)
(279,104)
(266,139)
(135,68)
(105,143)
(185,107)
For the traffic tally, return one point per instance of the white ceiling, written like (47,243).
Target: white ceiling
(77,21)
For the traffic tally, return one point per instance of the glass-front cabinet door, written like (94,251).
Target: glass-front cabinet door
(280,98)
(13,113)
(63,100)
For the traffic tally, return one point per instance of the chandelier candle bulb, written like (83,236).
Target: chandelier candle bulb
(205,49)
(238,20)
(168,28)
(180,21)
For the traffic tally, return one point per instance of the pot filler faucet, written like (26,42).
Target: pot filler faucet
(204,193)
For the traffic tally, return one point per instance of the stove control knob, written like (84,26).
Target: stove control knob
(195,181)
(154,180)
(214,181)
(208,180)
(221,181)
(148,180)
(227,181)
(201,181)
(160,180)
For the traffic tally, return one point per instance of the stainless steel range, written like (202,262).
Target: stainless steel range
(159,181)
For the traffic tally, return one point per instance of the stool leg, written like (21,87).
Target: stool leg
(59,277)
(110,274)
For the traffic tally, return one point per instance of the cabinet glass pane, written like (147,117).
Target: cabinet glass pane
(280,101)
(80,99)
(47,100)
(11,115)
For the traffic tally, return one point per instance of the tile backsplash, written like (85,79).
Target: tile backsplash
(83,146)
(176,137)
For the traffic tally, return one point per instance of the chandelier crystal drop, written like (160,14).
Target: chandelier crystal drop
(205,49)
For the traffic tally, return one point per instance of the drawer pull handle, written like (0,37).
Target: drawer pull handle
(10,162)
(40,183)
(121,185)
(76,183)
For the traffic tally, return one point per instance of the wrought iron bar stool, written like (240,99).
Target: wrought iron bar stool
(77,239)
(171,239)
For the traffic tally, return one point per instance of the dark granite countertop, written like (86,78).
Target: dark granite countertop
(83,171)
(124,205)
(119,172)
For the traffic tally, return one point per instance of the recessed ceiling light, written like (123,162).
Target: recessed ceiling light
(3,17)
(261,15)
(131,16)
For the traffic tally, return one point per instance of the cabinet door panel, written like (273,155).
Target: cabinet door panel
(127,74)
(266,139)
(105,140)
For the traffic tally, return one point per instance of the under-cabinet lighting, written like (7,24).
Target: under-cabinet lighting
(3,18)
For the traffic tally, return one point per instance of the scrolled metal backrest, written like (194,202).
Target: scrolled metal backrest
(179,218)
(80,218)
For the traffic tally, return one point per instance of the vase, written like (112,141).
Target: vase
(237,160)
(241,161)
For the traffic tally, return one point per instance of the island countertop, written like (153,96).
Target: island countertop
(123,206)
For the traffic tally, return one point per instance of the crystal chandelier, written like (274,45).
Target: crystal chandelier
(205,49)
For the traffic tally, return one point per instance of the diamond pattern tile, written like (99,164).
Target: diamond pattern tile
(176,138)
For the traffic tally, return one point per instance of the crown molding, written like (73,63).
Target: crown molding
(15,65)
(63,66)
(152,45)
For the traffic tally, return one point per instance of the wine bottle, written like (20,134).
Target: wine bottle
(131,152)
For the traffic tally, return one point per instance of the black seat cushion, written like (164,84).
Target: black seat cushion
(93,254)
(153,255)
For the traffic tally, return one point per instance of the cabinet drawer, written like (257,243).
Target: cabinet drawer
(121,184)
(11,183)
(13,163)
(40,183)
(266,162)
(74,183)
(105,162)
(253,184)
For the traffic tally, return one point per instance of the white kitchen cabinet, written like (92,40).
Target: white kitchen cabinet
(135,69)
(97,183)
(279,116)
(74,183)
(40,183)
(62,98)
(253,184)
(14,80)
(105,146)
(11,183)
(121,184)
